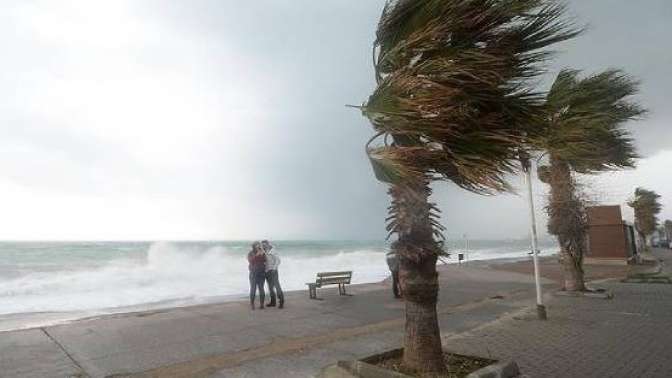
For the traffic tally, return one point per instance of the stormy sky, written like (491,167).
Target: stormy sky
(167,119)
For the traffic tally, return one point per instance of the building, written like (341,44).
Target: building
(610,238)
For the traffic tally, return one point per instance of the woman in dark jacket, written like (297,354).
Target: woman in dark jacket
(257,265)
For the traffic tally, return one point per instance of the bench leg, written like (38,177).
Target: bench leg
(341,290)
(312,292)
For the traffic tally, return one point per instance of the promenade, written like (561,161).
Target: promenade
(229,340)
(482,311)
(628,336)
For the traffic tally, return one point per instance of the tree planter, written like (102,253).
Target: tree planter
(590,293)
(374,367)
(656,276)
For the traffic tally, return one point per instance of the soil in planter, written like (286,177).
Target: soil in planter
(458,366)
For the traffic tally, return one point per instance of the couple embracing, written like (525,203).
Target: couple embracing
(263,265)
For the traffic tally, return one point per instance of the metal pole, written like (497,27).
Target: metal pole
(541,309)
(466,248)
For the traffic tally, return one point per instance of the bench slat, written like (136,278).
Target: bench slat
(331,281)
(329,274)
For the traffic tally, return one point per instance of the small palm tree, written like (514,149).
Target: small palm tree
(585,135)
(647,207)
(452,103)
(668,230)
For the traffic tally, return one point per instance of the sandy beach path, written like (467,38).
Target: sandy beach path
(229,340)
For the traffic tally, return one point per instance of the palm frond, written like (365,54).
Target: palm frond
(586,119)
(454,88)
(647,206)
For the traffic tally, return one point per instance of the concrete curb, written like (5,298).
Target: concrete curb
(586,294)
(361,369)
(358,369)
(506,369)
(649,280)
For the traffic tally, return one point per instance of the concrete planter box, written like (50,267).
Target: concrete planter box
(598,294)
(365,369)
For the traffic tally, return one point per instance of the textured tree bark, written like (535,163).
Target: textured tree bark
(641,242)
(567,221)
(418,253)
(422,341)
(573,276)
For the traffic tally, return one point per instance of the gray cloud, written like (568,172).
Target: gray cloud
(209,119)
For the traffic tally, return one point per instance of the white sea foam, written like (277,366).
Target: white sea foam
(169,272)
(119,278)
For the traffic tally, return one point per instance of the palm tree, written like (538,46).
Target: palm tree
(647,206)
(585,135)
(668,230)
(452,103)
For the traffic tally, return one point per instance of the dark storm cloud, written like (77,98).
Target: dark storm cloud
(221,119)
(635,36)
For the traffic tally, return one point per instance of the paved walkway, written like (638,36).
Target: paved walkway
(629,336)
(228,340)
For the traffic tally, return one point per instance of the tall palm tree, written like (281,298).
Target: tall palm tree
(647,207)
(668,230)
(452,103)
(585,134)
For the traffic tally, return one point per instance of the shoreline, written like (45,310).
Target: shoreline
(32,320)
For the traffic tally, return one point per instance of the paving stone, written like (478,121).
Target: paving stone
(629,336)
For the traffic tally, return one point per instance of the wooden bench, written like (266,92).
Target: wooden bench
(329,278)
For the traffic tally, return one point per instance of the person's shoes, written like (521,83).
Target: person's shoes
(261,307)
(270,304)
(252,307)
(282,305)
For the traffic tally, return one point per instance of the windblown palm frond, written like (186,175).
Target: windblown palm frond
(453,87)
(647,206)
(586,119)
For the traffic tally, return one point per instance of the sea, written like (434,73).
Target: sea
(44,283)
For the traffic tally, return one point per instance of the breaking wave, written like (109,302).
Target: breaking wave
(170,272)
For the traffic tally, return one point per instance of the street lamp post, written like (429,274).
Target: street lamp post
(527,168)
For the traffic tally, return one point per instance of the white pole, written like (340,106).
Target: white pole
(466,248)
(541,310)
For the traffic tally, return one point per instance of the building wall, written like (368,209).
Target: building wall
(604,215)
(607,237)
(607,241)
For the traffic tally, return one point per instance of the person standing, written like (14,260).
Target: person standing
(257,266)
(393,264)
(272,278)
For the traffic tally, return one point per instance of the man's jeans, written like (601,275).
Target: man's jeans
(274,286)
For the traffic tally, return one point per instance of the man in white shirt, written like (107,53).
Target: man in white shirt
(272,264)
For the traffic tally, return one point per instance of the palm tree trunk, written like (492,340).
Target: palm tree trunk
(568,223)
(644,241)
(418,253)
